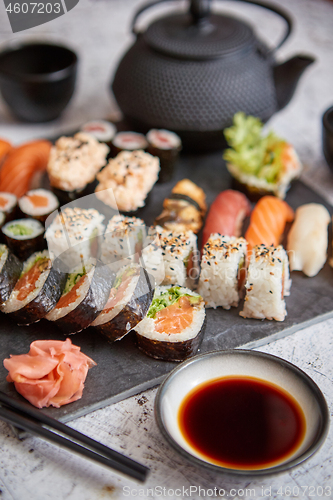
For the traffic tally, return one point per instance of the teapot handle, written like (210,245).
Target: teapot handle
(280,12)
(277,10)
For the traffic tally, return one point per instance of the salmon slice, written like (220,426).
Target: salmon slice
(268,221)
(21,164)
(5,147)
(27,283)
(175,318)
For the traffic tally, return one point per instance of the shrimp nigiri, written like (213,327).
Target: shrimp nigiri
(268,220)
(226,214)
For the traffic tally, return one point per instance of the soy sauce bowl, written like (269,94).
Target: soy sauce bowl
(251,365)
(37,80)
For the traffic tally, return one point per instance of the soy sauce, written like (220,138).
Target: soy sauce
(242,422)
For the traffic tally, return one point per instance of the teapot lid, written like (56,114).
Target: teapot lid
(198,35)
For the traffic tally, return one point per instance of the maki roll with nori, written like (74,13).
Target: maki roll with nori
(167,146)
(38,204)
(128,303)
(86,291)
(128,141)
(8,204)
(174,326)
(10,271)
(102,130)
(24,237)
(37,291)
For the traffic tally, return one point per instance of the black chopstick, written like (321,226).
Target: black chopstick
(31,420)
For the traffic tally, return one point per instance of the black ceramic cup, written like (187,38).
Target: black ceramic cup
(37,80)
(328,136)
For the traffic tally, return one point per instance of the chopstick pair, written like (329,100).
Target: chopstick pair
(31,420)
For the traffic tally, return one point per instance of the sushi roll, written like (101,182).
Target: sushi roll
(128,141)
(84,296)
(184,209)
(102,130)
(123,241)
(10,271)
(308,239)
(8,204)
(152,256)
(167,146)
(174,326)
(37,291)
(24,237)
(74,236)
(128,303)
(125,182)
(38,204)
(222,271)
(73,165)
(180,255)
(267,284)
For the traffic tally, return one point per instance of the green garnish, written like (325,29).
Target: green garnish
(130,271)
(72,279)
(20,230)
(168,298)
(33,262)
(252,152)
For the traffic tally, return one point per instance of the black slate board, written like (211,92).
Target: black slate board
(122,370)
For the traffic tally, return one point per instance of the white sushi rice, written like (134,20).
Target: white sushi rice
(146,327)
(267,283)
(176,248)
(130,141)
(152,257)
(8,201)
(3,256)
(81,292)
(123,241)
(105,317)
(163,139)
(13,303)
(33,225)
(71,234)
(28,207)
(220,266)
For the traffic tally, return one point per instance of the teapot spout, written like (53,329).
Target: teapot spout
(286,76)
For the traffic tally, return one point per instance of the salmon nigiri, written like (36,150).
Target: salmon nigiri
(268,221)
(5,147)
(21,164)
(226,214)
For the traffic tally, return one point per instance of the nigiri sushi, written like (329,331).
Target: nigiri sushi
(268,221)
(308,239)
(226,215)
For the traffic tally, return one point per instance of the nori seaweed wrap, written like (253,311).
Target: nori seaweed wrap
(37,291)
(174,326)
(10,271)
(85,295)
(24,237)
(167,146)
(128,303)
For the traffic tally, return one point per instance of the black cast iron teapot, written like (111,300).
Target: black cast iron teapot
(191,72)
